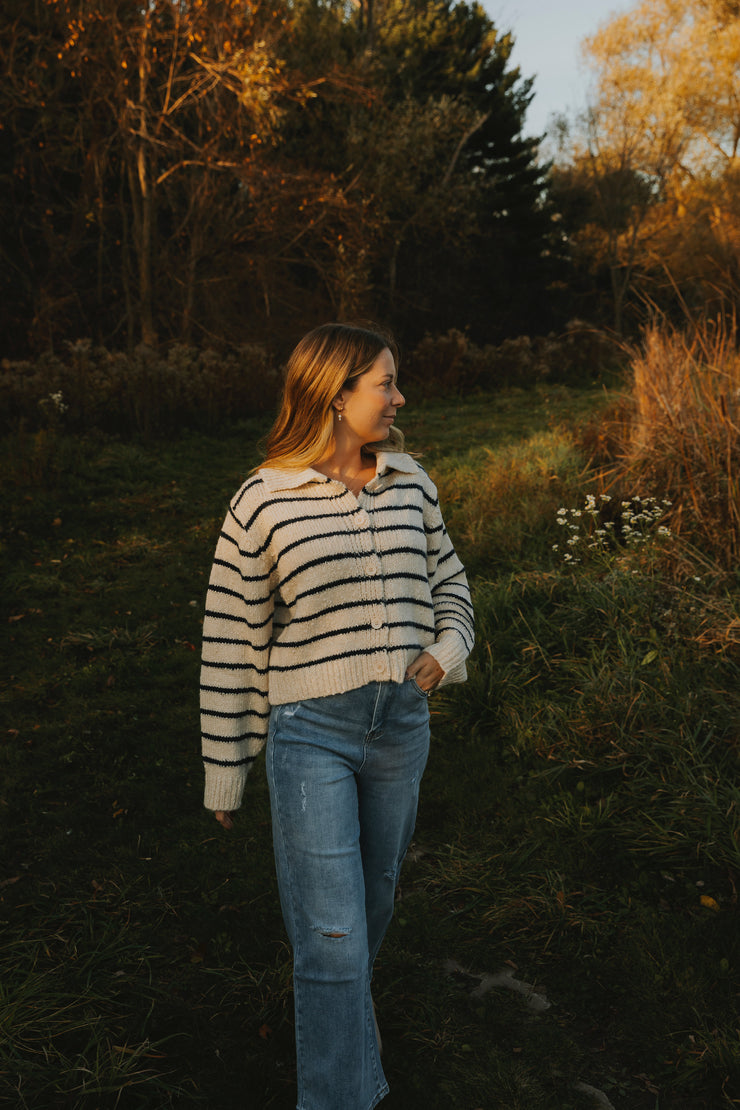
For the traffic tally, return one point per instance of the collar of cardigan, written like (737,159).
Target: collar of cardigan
(276,479)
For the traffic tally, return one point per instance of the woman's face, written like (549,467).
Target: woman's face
(370,408)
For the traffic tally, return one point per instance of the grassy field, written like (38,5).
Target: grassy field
(567,921)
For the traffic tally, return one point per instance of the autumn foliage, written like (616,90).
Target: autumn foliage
(217,170)
(647,179)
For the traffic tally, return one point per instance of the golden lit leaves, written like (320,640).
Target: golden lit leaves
(658,152)
(667,74)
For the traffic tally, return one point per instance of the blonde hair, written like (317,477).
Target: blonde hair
(330,358)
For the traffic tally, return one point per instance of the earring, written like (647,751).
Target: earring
(339,415)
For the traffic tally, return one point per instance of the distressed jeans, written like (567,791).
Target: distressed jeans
(344,774)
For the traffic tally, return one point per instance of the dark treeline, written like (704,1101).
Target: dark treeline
(214,170)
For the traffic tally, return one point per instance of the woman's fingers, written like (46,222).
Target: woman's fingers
(426,671)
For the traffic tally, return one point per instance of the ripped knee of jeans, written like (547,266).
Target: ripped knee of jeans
(331,933)
(393,873)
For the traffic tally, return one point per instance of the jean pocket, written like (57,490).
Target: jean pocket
(278,712)
(417,687)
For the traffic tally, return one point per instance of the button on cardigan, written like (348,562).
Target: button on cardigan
(315,592)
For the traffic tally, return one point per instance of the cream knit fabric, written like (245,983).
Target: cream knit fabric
(314,592)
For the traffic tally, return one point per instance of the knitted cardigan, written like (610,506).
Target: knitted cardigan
(314,592)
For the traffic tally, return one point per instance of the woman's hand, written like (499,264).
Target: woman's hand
(224,819)
(427,672)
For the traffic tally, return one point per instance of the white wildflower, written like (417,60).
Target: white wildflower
(54,401)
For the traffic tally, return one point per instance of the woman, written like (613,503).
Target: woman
(336,605)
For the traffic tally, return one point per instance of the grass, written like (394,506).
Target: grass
(679,429)
(579,820)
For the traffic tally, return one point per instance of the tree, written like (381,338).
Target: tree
(658,151)
(159,116)
(189,168)
(469,251)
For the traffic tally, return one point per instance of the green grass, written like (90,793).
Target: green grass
(579,819)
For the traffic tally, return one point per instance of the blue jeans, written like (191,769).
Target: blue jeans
(344,774)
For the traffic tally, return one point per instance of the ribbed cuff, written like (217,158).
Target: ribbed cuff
(224,787)
(451,653)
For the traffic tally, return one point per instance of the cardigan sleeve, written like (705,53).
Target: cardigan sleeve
(237,630)
(453,609)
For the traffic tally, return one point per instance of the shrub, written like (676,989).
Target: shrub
(90,388)
(452,363)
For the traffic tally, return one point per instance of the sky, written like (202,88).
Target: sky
(547,35)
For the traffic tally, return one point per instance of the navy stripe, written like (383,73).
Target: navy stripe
(339,557)
(341,632)
(445,581)
(352,654)
(301,499)
(386,509)
(235,716)
(231,739)
(230,762)
(359,603)
(217,615)
(235,593)
(403,526)
(238,642)
(235,690)
(396,486)
(311,539)
(324,586)
(248,485)
(235,666)
(240,573)
(415,551)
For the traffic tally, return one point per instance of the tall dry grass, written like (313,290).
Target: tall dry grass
(677,435)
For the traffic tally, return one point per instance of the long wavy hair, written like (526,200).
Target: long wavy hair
(330,358)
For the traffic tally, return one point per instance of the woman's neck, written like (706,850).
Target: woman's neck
(351,465)
(345,459)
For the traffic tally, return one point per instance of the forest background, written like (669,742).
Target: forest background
(216,173)
(186,187)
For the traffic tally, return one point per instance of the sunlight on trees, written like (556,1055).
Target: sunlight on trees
(657,155)
(212,169)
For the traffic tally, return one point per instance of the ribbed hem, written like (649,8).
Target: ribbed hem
(338,676)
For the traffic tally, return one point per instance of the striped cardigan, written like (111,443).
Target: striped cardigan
(314,592)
